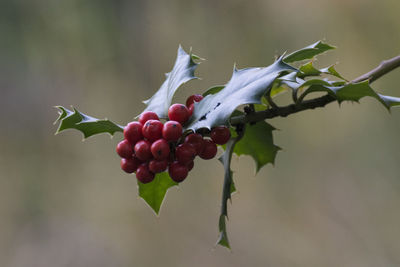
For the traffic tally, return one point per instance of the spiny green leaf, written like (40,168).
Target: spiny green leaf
(223,235)
(246,86)
(154,192)
(233,187)
(350,92)
(308,52)
(308,69)
(332,71)
(89,126)
(228,188)
(263,106)
(258,143)
(182,72)
(214,90)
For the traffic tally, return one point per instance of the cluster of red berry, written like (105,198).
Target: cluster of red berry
(151,146)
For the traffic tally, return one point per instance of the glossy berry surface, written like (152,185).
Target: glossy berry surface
(191,109)
(179,113)
(196,140)
(143,174)
(130,165)
(185,153)
(148,115)
(124,149)
(133,132)
(160,149)
(220,135)
(142,150)
(156,166)
(193,98)
(152,130)
(172,131)
(209,150)
(177,171)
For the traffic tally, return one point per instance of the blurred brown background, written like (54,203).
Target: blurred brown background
(332,198)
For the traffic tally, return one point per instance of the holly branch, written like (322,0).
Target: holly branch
(161,153)
(384,67)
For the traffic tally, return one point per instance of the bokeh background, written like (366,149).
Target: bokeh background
(332,198)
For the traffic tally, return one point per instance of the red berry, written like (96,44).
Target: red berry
(191,109)
(160,149)
(190,165)
(196,140)
(130,165)
(142,150)
(148,115)
(152,130)
(177,171)
(220,135)
(133,132)
(185,153)
(124,149)
(172,131)
(191,99)
(156,166)
(179,113)
(209,150)
(143,174)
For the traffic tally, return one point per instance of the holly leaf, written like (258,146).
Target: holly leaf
(228,189)
(182,72)
(258,143)
(308,52)
(153,193)
(246,86)
(213,90)
(332,71)
(308,69)
(73,119)
(350,92)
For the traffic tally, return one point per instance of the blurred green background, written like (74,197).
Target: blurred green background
(332,198)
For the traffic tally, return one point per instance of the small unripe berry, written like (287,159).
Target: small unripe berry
(152,130)
(130,165)
(142,150)
(177,171)
(156,166)
(160,149)
(124,149)
(220,135)
(196,140)
(148,115)
(143,174)
(172,131)
(209,150)
(133,132)
(179,113)
(191,99)
(185,153)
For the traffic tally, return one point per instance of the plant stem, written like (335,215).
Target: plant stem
(385,67)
